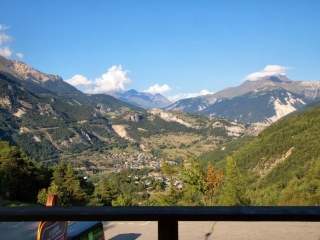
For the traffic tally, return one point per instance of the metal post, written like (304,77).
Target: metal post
(168,230)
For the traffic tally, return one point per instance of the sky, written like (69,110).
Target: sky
(178,48)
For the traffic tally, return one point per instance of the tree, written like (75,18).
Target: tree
(235,188)
(124,200)
(206,182)
(172,196)
(43,194)
(20,175)
(105,193)
(69,186)
(213,181)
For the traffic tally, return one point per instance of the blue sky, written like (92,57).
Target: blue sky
(183,46)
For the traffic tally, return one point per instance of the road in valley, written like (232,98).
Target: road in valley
(121,230)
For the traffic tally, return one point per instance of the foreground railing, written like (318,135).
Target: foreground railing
(167,217)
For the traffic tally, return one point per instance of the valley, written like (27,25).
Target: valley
(152,156)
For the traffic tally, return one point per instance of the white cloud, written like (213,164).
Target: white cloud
(19,55)
(270,70)
(6,52)
(158,89)
(189,95)
(113,80)
(3,27)
(4,38)
(79,80)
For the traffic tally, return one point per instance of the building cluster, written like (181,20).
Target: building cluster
(147,180)
(134,160)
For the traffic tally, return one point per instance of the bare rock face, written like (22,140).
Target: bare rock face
(27,72)
(169,117)
(133,117)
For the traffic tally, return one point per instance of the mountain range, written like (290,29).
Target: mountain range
(51,124)
(142,99)
(280,164)
(265,100)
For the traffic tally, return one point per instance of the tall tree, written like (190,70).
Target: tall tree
(105,192)
(234,191)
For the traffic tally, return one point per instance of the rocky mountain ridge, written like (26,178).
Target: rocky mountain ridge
(268,99)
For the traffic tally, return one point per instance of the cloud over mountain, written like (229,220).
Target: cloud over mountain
(158,89)
(6,52)
(270,70)
(112,81)
(79,80)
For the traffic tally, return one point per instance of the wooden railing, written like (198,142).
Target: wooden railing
(167,217)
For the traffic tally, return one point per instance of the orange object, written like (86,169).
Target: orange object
(52,230)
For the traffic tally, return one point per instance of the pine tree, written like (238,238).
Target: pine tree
(235,188)
(105,193)
(68,184)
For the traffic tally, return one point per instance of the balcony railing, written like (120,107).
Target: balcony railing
(167,217)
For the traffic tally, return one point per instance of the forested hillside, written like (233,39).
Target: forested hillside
(282,164)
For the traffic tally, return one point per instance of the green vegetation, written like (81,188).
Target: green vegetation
(20,176)
(281,161)
(217,155)
(234,191)
(205,182)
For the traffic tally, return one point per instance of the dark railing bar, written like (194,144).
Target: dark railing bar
(300,214)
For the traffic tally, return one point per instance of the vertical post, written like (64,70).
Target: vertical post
(168,230)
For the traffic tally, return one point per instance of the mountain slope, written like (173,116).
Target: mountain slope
(282,164)
(235,102)
(313,105)
(22,71)
(43,84)
(47,126)
(261,106)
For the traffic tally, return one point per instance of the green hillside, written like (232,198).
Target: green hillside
(216,156)
(282,164)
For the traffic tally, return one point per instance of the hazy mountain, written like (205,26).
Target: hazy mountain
(265,100)
(141,99)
